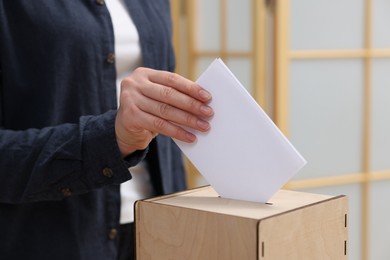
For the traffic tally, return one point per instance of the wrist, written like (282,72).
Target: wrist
(124,148)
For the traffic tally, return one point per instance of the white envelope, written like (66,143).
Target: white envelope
(244,156)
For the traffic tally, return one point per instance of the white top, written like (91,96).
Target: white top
(127,58)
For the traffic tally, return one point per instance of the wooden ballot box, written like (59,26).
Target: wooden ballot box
(198,224)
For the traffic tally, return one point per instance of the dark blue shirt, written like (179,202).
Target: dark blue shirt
(60,167)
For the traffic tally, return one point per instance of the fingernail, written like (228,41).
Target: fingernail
(203,125)
(204,94)
(206,110)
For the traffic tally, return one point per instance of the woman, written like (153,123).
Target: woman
(64,147)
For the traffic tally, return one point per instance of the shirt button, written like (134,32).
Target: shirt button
(110,58)
(100,2)
(66,192)
(112,233)
(107,172)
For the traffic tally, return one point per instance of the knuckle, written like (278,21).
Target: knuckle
(164,109)
(189,119)
(140,70)
(130,84)
(141,74)
(172,77)
(191,87)
(193,103)
(159,124)
(167,92)
(127,82)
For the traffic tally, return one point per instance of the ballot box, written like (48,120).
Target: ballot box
(198,224)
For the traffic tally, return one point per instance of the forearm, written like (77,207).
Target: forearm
(55,162)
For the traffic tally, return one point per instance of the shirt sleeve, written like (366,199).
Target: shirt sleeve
(61,161)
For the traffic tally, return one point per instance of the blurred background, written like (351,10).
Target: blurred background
(321,70)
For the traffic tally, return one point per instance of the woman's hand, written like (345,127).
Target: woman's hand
(153,102)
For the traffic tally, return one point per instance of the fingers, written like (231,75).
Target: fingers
(159,125)
(179,83)
(153,102)
(177,99)
(169,96)
(173,114)
(179,92)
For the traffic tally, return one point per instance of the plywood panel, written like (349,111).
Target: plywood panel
(315,232)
